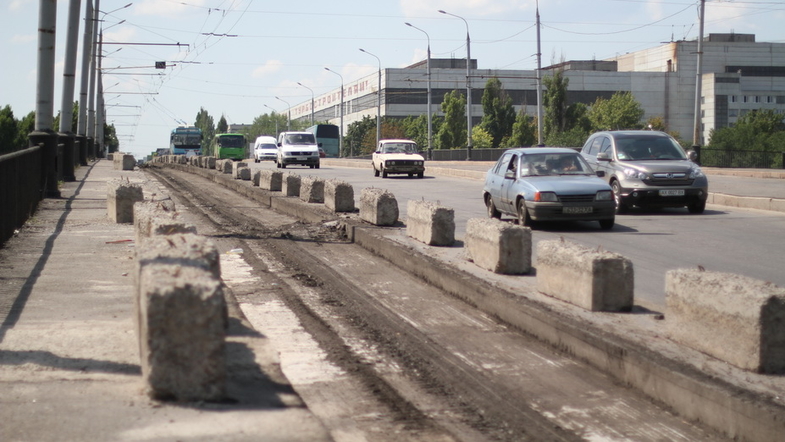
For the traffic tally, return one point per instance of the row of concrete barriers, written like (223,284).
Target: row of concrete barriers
(734,318)
(687,389)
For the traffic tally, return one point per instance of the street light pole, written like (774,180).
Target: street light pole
(312,100)
(428,76)
(289,113)
(340,141)
(378,101)
(468,88)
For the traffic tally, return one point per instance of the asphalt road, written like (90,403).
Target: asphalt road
(723,239)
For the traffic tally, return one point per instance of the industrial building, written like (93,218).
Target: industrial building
(739,75)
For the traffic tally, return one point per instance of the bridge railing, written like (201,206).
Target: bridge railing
(20,188)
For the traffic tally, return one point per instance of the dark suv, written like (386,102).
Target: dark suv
(647,169)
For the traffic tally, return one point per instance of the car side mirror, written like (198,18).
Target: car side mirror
(319,144)
(509,175)
(692,155)
(600,173)
(603,156)
(279,144)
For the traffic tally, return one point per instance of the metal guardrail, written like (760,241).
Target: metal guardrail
(747,159)
(20,188)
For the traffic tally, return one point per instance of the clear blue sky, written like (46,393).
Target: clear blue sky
(241,54)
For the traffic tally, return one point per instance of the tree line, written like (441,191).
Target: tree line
(14,132)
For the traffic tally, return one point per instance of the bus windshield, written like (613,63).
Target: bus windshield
(232,141)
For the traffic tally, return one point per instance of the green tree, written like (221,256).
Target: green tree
(554,100)
(110,138)
(452,133)
(498,113)
(481,138)
(8,131)
(524,131)
(563,124)
(621,111)
(266,124)
(205,122)
(355,139)
(222,127)
(24,127)
(758,130)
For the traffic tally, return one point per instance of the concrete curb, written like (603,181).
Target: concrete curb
(728,408)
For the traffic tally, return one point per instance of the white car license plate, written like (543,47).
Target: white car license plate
(674,192)
(578,210)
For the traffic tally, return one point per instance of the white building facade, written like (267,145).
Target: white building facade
(739,75)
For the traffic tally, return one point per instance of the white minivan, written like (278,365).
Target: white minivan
(265,149)
(297,148)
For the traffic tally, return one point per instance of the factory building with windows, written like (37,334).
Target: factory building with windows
(739,75)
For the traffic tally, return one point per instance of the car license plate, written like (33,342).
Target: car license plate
(672,192)
(578,210)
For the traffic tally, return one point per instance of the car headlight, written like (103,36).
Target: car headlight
(545,197)
(604,195)
(696,172)
(635,174)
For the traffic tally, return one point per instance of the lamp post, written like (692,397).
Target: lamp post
(340,140)
(468,88)
(378,100)
(428,76)
(312,100)
(289,113)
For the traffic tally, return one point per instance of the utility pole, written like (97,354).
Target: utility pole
(696,132)
(66,134)
(44,109)
(539,82)
(91,91)
(87,45)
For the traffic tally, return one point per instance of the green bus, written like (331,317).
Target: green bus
(228,146)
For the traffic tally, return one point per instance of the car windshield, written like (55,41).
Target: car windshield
(267,146)
(300,139)
(399,148)
(648,148)
(554,164)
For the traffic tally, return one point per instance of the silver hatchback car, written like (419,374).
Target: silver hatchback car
(547,184)
(647,169)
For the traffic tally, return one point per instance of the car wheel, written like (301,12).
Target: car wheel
(523,215)
(411,175)
(697,208)
(621,207)
(283,165)
(384,173)
(421,174)
(277,164)
(375,172)
(492,211)
(607,224)
(318,165)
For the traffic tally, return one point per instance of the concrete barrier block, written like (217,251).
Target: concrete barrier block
(271,180)
(312,189)
(737,319)
(290,184)
(120,198)
(208,162)
(430,223)
(225,166)
(145,211)
(182,334)
(499,246)
(593,279)
(244,173)
(236,167)
(121,161)
(338,196)
(378,207)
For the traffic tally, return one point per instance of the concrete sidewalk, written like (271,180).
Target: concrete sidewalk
(69,359)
